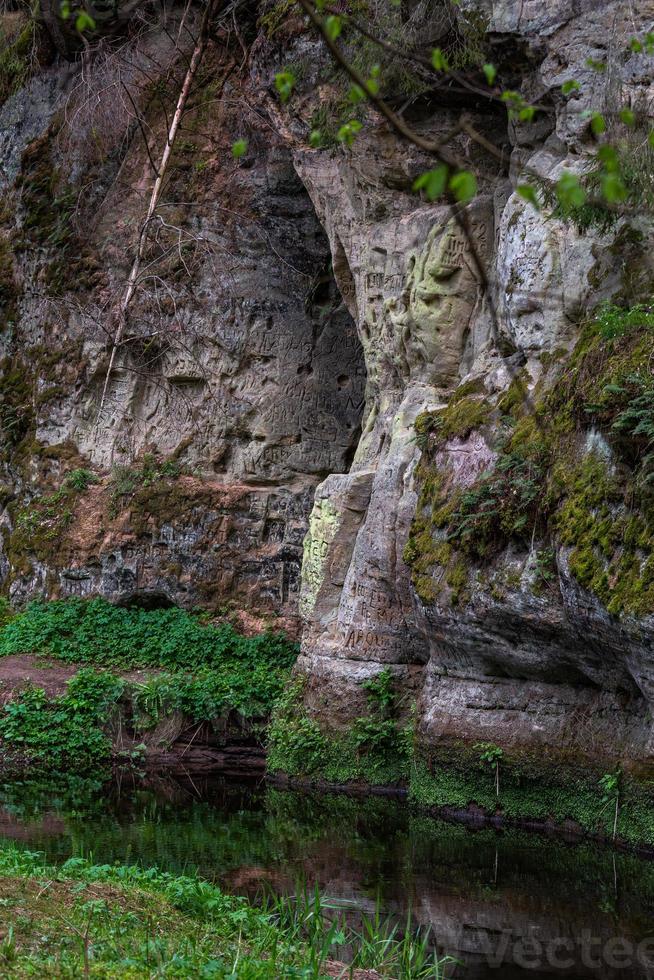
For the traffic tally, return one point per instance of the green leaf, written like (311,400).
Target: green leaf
(572,85)
(635,45)
(528,193)
(356,94)
(239,148)
(595,64)
(569,191)
(628,117)
(433,182)
(315,138)
(597,123)
(348,131)
(438,60)
(609,158)
(512,96)
(284,83)
(527,114)
(333,26)
(613,188)
(650,138)
(490,71)
(463,185)
(64,9)
(84,22)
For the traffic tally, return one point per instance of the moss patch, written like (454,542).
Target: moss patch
(19,46)
(458,419)
(543,786)
(48,206)
(575,469)
(547,785)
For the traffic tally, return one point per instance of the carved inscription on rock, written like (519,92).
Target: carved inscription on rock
(443,293)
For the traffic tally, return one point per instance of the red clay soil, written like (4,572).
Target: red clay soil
(21,669)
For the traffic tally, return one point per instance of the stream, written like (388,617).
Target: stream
(506,904)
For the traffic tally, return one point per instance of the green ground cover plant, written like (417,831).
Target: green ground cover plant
(106,921)
(202,671)
(375,749)
(98,633)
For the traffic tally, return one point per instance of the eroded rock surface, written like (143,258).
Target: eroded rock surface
(240,371)
(500,659)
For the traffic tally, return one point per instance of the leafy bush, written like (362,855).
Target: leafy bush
(64,732)
(80,479)
(296,744)
(376,748)
(95,632)
(251,690)
(6,612)
(501,504)
(210,671)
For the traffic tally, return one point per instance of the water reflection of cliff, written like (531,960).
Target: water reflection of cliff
(486,896)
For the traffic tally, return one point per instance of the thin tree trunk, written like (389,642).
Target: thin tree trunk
(132,280)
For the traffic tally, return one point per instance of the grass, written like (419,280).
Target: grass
(18,42)
(123,921)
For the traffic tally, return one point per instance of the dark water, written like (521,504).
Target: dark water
(506,904)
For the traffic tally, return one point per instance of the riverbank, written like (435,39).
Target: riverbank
(88,686)
(384,750)
(89,920)
(142,732)
(363,855)
(91,688)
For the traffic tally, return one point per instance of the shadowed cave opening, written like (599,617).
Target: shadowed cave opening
(146,599)
(336,377)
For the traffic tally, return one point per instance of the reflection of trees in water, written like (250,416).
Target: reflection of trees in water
(466,885)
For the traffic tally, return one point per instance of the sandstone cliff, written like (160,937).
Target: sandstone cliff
(320,409)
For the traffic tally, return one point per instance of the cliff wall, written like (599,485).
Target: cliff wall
(321,409)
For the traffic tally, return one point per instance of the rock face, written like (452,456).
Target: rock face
(240,366)
(494,657)
(311,333)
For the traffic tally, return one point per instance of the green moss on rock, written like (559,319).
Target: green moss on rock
(48,205)
(458,419)
(18,32)
(548,785)
(552,482)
